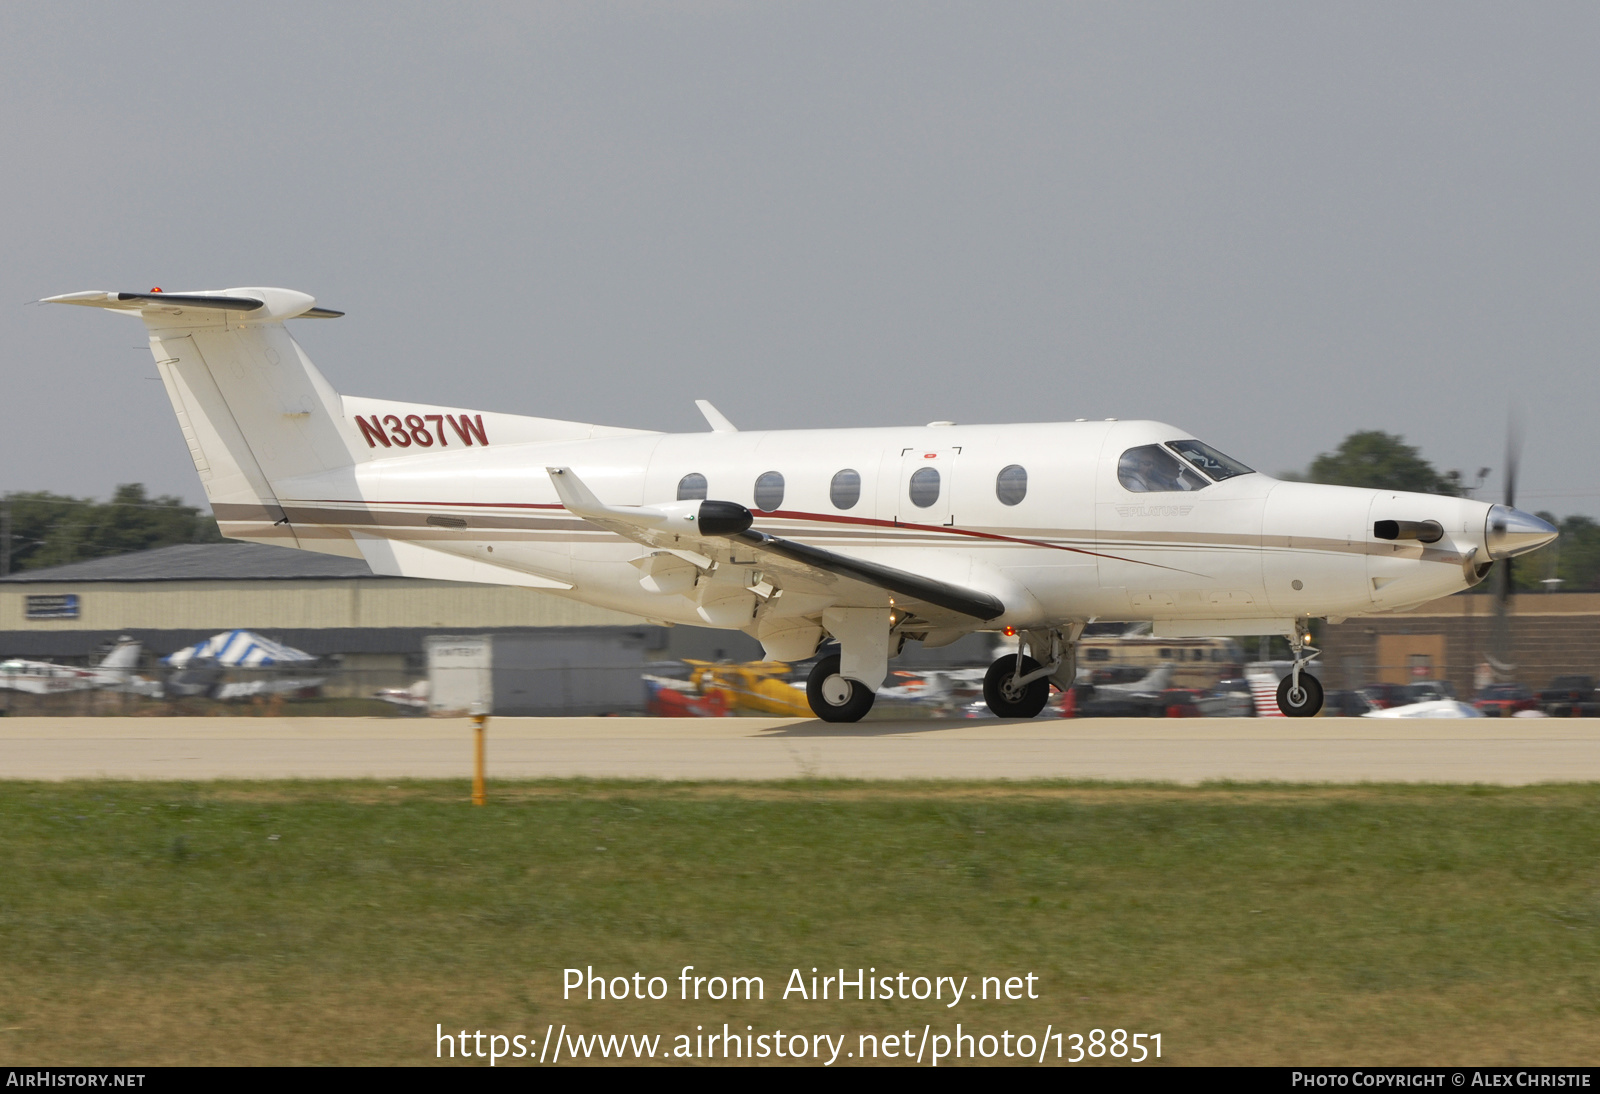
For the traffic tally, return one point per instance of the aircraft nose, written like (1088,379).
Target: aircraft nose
(1509,532)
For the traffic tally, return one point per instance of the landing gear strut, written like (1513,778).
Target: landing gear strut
(1300,693)
(1017,686)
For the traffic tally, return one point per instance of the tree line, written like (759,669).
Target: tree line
(1383,461)
(39,529)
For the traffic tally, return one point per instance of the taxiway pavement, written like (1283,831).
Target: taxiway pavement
(1502,751)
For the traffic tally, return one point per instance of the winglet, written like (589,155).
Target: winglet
(575,493)
(675,518)
(715,418)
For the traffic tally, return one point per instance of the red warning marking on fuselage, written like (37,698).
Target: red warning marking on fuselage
(390,431)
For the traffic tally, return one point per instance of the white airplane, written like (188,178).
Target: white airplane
(1429,708)
(872,536)
(46,678)
(1157,679)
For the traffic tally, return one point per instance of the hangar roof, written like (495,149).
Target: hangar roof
(202,562)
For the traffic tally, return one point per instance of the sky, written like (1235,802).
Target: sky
(1268,224)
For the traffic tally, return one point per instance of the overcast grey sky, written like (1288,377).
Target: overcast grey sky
(1270,224)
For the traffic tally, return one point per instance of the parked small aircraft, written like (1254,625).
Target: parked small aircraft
(872,536)
(116,671)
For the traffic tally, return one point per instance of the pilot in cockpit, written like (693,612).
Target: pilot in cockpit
(1151,469)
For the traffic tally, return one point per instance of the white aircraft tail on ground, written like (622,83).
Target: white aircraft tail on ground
(115,671)
(1157,679)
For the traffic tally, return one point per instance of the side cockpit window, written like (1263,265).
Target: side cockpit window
(1151,469)
(1215,465)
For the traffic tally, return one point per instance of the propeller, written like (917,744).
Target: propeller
(1502,628)
(1513,457)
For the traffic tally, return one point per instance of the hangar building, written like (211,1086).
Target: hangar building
(371,626)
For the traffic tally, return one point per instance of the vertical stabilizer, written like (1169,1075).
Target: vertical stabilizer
(253,409)
(124,657)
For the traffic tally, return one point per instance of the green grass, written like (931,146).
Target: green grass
(161,923)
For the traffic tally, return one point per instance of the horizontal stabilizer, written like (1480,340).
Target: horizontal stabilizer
(256,304)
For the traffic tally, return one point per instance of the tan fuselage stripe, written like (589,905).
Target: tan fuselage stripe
(532,522)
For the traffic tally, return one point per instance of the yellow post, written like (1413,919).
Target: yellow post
(479,721)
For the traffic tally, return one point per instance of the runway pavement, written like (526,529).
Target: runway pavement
(1503,751)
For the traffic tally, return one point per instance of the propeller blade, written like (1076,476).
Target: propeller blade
(1513,456)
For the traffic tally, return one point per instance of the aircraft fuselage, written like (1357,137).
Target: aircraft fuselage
(1249,554)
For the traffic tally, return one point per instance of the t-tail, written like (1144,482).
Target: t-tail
(263,424)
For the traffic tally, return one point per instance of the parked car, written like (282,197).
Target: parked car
(1346,704)
(1179,703)
(1091,702)
(1384,696)
(1427,691)
(1570,697)
(1504,700)
(1229,699)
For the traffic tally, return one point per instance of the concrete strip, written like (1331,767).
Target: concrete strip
(1507,752)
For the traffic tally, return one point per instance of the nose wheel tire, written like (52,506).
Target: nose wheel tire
(834,698)
(1007,700)
(1301,702)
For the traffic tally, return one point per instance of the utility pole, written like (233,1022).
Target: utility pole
(5,535)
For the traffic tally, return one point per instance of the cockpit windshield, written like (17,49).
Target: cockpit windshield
(1151,469)
(1209,460)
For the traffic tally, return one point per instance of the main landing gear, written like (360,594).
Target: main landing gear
(834,698)
(1300,693)
(1017,686)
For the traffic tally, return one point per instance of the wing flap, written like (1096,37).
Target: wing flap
(954,598)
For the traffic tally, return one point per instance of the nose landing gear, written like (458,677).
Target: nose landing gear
(1300,693)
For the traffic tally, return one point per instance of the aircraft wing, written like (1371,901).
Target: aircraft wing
(718,530)
(979,605)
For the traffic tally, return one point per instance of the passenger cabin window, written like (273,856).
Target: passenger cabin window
(1215,465)
(924,487)
(769,491)
(1011,485)
(692,487)
(845,490)
(1151,469)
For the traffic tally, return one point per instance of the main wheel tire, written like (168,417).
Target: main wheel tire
(1011,702)
(1302,704)
(834,698)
